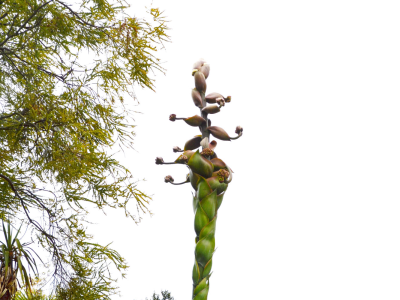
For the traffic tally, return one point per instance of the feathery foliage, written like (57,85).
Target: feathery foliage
(64,72)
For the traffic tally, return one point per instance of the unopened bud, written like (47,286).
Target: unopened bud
(228,99)
(222,175)
(200,82)
(211,109)
(182,159)
(212,145)
(198,101)
(205,69)
(159,160)
(239,130)
(207,152)
(194,121)
(177,149)
(172,117)
(198,64)
(212,98)
(219,133)
(169,179)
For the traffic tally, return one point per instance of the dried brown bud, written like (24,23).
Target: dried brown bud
(222,175)
(221,102)
(205,69)
(159,160)
(197,98)
(172,117)
(200,82)
(212,145)
(177,149)
(228,99)
(239,130)
(169,179)
(207,152)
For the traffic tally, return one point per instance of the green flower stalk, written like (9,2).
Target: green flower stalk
(208,175)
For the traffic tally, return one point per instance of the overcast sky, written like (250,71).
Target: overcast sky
(313,210)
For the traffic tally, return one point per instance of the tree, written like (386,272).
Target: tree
(65,71)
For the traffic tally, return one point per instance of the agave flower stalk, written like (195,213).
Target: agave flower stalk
(208,175)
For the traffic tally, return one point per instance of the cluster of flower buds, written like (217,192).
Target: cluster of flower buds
(208,174)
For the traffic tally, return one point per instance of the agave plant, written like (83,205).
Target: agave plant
(208,175)
(16,262)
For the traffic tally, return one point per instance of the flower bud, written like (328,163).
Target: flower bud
(169,179)
(198,64)
(221,102)
(212,98)
(207,152)
(212,145)
(218,164)
(222,175)
(159,160)
(193,143)
(197,98)
(205,69)
(177,149)
(228,99)
(200,82)
(239,130)
(182,159)
(219,133)
(172,117)
(194,121)
(211,109)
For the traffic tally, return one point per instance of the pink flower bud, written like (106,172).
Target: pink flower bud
(212,145)
(172,117)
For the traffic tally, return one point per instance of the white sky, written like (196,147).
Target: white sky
(313,209)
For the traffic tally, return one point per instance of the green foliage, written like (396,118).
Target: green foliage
(16,262)
(64,72)
(34,295)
